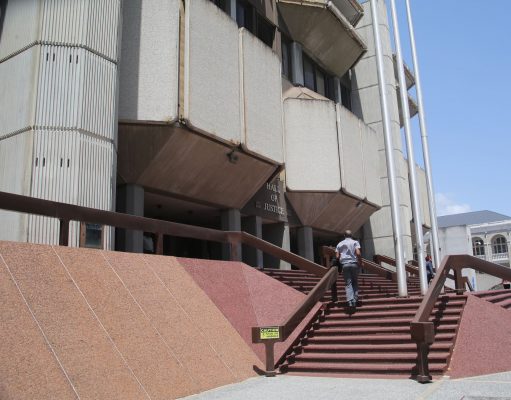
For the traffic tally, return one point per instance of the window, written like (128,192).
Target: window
(222,4)
(478,247)
(499,245)
(286,57)
(315,78)
(91,235)
(247,17)
(346,97)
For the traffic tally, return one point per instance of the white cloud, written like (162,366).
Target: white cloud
(446,205)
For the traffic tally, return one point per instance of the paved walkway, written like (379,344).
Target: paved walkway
(494,387)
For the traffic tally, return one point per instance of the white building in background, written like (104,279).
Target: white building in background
(233,114)
(483,234)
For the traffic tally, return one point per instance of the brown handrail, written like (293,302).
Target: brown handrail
(328,252)
(379,258)
(68,212)
(421,330)
(282,332)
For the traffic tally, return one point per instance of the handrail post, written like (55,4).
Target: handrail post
(63,232)
(270,358)
(159,244)
(459,283)
(423,333)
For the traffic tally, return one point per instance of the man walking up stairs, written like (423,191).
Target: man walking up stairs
(350,259)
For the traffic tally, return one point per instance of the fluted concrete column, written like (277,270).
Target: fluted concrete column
(278,234)
(251,255)
(305,242)
(130,200)
(230,221)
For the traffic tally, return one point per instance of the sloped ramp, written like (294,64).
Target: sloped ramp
(483,343)
(90,324)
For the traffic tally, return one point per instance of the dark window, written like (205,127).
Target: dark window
(248,18)
(478,247)
(91,235)
(499,245)
(315,78)
(286,57)
(222,4)
(346,97)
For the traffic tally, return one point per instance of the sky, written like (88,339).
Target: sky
(464,51)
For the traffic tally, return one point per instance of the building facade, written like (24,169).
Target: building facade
(483,234)
(262,116)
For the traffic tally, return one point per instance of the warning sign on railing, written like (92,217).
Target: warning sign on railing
(271,332)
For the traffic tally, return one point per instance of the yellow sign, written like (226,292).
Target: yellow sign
(269,333)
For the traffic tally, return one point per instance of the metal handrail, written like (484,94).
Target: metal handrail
(421,330)
(68,212)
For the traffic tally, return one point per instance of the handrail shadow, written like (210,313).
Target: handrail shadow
(421,329)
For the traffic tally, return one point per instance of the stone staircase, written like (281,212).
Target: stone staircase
(500,297)
(375,341)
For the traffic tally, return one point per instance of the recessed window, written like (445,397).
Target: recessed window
(478,247)
(315,78)
(222,4)
(247,17)
(91,235)
(499,245)
(286,57)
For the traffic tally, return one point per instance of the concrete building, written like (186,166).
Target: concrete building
(234,114)
(483,234)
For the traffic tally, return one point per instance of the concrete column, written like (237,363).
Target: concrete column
(130,200)
(305,242)
(296,64)
(254,226)
(230,221)
(277,234)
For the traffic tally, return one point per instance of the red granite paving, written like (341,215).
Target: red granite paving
(180,332)
(28,368)
(123,326)
(483,345)
(127,325)
(228,344)
(246,297)
(95,368)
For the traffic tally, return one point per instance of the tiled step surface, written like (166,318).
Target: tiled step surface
(499,297)
(375,340)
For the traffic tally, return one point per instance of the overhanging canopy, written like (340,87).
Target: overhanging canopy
(323,30)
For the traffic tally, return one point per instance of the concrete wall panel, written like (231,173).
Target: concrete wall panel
(350,150)
(17,86)
(21,26)
(76,90)
(312,149)
(371,156)
(65,166)
(212,75)
(262,95)
(149,63)
(90,23)
(15,163)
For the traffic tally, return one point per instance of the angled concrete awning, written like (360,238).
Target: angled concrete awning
(412,105)
(409,77)
(351,9)
(322,29)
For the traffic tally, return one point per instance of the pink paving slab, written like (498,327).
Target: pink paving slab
(247,297)
(484,340)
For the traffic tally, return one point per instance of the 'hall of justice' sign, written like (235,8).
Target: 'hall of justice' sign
(269,202)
